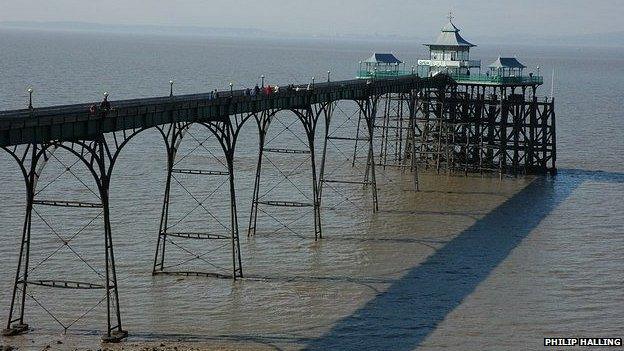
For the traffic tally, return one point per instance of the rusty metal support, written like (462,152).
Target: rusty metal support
(262,120)
(99,157)
(308,117)
(485,129)
(366,115)
(226,133)
(17,325)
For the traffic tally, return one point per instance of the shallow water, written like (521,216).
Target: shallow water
(466,263)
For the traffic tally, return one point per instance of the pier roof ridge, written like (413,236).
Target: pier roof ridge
(449,36)
(387,58)
(506,62)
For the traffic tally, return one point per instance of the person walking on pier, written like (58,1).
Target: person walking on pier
(105,105)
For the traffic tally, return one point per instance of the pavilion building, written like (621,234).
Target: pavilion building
(381,65)
(450,53)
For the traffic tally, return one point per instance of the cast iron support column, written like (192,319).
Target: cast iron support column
(263,122)
(226,134)
(172,134)
(96,155)
(16,325)
(553,127)
(327,113)
(411,138)
(369,111)
(310,125)
(530,163)
(114,333)
(308,118)
(503,134)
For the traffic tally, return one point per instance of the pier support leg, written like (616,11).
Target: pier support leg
(225,132)
(308,118)
(410,145)
(309,121)
(172,134)
(263,121)
(114,332)
(99,160)
(343,133)
(553,137)
(394,129)
(15,323)
(370,107)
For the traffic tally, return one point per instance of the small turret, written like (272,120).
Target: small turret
(381,65)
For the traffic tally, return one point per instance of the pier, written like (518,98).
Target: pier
(407,120)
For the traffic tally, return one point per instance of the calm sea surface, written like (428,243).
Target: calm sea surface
(468,263)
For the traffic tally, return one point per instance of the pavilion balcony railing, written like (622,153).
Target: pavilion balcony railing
(477,78)
(484,78)
(363,74)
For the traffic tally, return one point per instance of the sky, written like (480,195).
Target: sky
(540,18)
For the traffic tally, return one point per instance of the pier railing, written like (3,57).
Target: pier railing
(460,78)
(484,78)
(84,121)
(364,74)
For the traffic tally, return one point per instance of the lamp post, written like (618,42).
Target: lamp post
(171,88)
(312,82)
(538,71)
(262,77)
(328,75)
(413,69)
(105,96)
(231,89)
(30,92)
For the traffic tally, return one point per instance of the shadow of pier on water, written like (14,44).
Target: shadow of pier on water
(401,317)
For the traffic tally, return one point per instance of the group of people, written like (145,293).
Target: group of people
(268,90)
(263,90)
(104,106)
(257,90)
(213,95)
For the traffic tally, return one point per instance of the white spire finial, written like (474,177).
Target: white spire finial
(450,16)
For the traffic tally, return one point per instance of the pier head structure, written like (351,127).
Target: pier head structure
(449,118)
(491,120)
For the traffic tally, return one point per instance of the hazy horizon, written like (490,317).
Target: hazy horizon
(606,39)
(402,18)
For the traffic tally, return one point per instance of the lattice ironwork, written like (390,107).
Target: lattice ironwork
(98,156)
(349,134)
(485,129)
(205,185)
(300,150)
